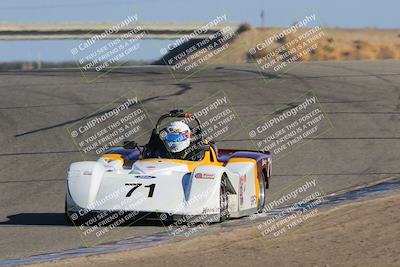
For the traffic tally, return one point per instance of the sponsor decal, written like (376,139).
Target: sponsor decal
(242,188)
(253,200)
(151,167)
(204,176)
(145,177)
(210,210)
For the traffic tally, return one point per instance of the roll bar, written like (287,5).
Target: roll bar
(176,113)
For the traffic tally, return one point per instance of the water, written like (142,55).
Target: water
(60,50)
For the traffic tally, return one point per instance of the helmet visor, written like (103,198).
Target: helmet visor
(177,137)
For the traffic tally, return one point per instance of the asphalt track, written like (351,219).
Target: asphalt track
(362,99)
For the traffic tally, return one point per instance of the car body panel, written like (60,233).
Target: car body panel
(179,187)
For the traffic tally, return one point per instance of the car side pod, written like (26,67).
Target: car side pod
(83,181)
(210,185)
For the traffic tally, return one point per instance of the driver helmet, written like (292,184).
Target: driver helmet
(177,136)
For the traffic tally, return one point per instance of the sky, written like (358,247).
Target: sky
(338,13)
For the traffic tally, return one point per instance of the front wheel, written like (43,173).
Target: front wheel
(67,215)
(223,200)
(261,194)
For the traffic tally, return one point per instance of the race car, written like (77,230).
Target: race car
(149,183)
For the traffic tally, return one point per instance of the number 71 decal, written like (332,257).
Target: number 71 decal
(136,186)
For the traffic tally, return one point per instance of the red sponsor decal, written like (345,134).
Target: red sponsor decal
(204,176)
(151,167)
(208,176)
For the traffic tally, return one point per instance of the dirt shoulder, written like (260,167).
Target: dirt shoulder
(364,233)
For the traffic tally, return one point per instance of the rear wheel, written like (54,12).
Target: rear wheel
(261,194)
(223,199)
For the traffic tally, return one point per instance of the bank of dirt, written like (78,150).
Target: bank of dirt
(364,233)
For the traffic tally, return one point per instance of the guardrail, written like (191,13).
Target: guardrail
(86,31)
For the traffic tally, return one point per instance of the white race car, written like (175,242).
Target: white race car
(133,183)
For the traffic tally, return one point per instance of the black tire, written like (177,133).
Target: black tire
(261,194)
(67,216)
(79,221)
(223,200)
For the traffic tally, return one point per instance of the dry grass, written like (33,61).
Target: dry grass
(336,44)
